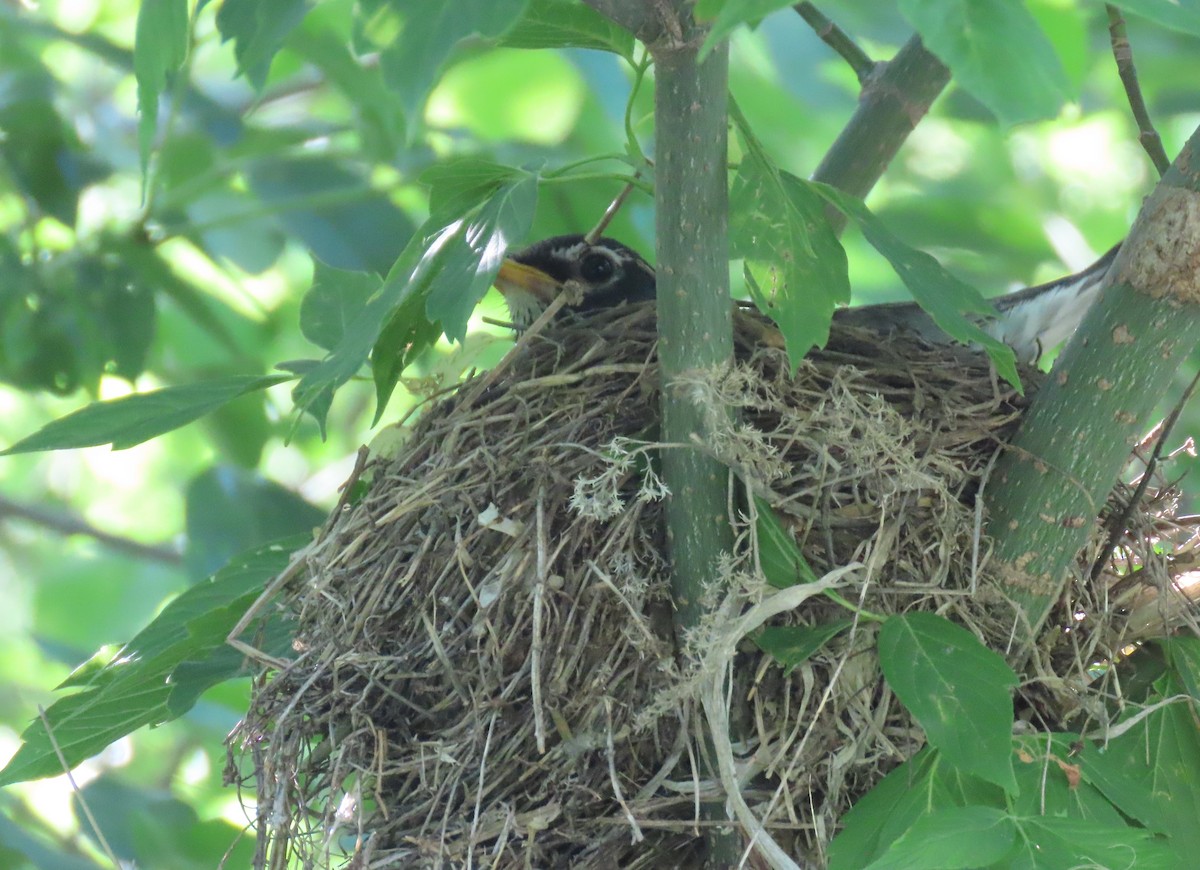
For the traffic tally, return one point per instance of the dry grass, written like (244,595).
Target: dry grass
(485,671)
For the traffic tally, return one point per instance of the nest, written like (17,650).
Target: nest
(485,669)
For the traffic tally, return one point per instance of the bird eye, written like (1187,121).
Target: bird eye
(596,268)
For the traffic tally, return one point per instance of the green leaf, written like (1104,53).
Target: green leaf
(1151,772)
(133,419)
(413,62)
(726,15)
(792,645)
(996,51)
(950,839)
(438,278)
(567,24)
(1046,841)
(334,300)
(458,186)
(795,266)
(944,297)
(956,688)
(136,686)
(885,812)
(782,563)
(158,53)
(406,335)
(258,29)
(1182,16)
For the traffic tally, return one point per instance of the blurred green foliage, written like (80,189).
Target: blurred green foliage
(194,195)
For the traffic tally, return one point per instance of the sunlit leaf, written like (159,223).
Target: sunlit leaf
(1182,16)
(414,61)
(956,688)
(133,419)
(438,278)
(978,39)
(258,29)
(159,51)
(134,689)
(567,24)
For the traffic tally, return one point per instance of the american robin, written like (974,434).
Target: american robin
(605,273)
(600,274)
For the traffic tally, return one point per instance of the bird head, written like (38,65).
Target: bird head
(597,274)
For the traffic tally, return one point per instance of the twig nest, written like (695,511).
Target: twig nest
(486,671)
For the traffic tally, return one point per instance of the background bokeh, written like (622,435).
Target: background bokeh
(113,281)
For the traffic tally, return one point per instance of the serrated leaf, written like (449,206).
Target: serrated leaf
(406,335)
(782,563)
(567,24)
(413,62)
(258,29)
(726,15)
(438,278)
(944,297)
(159,50)
(956,688)
(135,688)
(331,304)
(792,645)
(131,420)
(472,258)
(997,51)
(795,266)
(457,186)
(951,839)
(1182,16)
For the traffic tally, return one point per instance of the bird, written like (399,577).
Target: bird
(605,273)
(600,274)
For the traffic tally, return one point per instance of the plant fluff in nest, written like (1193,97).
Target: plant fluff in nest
(485,672)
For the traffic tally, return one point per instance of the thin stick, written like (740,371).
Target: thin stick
(75,788)
(534,328)
(1119,522)
(1123,55)
(837,39)
(535,654)
(611,211)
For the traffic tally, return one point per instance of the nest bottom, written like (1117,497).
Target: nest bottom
(486,672)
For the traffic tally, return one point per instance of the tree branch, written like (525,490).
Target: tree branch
(894,99)
(694,314)
(836,38)
(65,524)
(1048,488)
(1123,55)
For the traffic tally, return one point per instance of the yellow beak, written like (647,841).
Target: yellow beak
(515,277)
